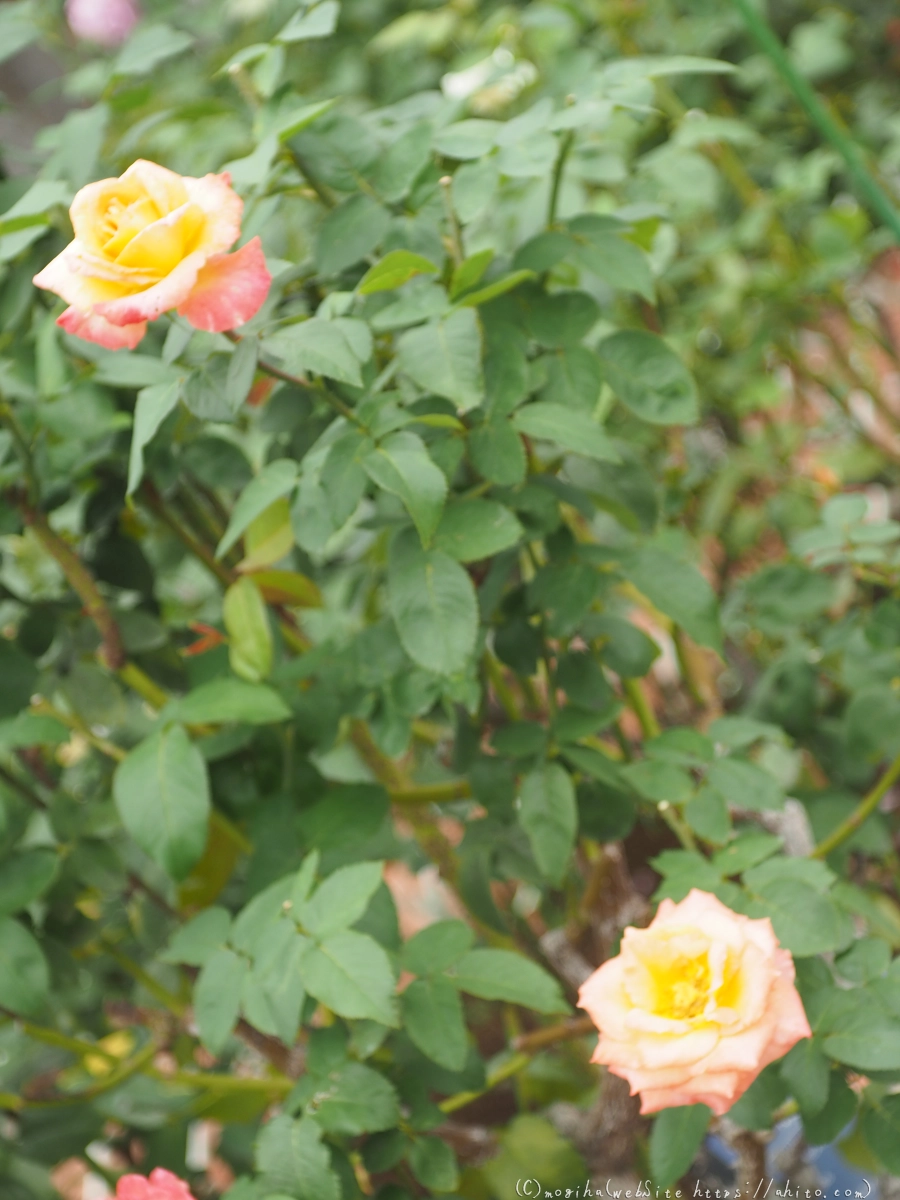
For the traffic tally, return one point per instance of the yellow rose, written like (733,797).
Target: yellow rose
(151,241)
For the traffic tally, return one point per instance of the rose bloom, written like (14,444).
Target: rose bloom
(107,22)
(150,241)
(695,1005)
(162,1185)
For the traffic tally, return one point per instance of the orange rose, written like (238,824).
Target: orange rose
(695,1005)
(150,241)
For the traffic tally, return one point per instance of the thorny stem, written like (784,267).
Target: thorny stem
(82,583)
(861,813)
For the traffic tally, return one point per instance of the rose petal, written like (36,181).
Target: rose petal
(154,301)
(230,289)
(223,208)
(94,328)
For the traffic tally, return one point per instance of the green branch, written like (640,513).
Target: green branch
(869,189)
(861,813)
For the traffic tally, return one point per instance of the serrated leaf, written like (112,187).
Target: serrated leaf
(291,1158)
(474,529)
(504,975)
(572,429)
(549,816)
(217,997)
(433,1018)
(351,974)
(340,900)
(162,793)
(444,357)
(675,1140)
(400,464)
(152,407)
(649,378)
(224,700)
(433,604)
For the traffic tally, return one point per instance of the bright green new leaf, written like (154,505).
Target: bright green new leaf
(250,647)
(393,271)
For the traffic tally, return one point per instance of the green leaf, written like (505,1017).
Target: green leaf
(549,815)
(217,997)
(865,1041)
(149,46)
(24,977)
(469,272)
(659,781)
(250,647)
(291,1158)
(343,477)
(434,1164)
(224,700)
(152,407)
(677,589)
(839,1110)
(474,529)
(436,947)
(570,428)
(272,994)
(241,371)
(340,900)
(433,604)
(401,465)
(275,480)
(610,257)
(805,1071)
(674,1141)
(497,453)
(467,139)
(25,876)
(19,675)
(433,1018)
(330,348)
(196,942)
(356,1100)
(393,271)
(350,232)
(492,290)
(745,785)
(162,793)
(444,357)
(649,378)
(31,729)
(504,975)
(312,21)
(805,921)
(351,974)
(880,1127)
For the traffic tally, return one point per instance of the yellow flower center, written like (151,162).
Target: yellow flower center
(682,987)
(122,220)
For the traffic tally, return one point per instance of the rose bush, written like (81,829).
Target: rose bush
(374,675)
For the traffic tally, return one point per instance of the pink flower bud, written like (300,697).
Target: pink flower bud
(107,22)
